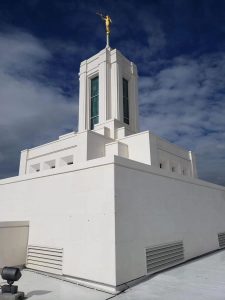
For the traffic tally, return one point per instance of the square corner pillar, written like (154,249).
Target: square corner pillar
(23,162)
(104,87)
(192,157)
(122,68)
(116,90)
(82,121)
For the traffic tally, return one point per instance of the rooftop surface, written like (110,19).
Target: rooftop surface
(202,278)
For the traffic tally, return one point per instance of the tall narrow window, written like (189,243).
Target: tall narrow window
(125,102)
(94,102)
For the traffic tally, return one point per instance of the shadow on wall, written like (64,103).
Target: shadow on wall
(37,293)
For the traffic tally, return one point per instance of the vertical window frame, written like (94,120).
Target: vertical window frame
(94,100)
(126,112)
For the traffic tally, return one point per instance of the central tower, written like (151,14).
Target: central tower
(108,97)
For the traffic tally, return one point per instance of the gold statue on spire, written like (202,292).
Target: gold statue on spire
(108,22)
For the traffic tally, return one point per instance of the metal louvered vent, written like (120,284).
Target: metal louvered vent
(45,259)
(164,256)
(221,238)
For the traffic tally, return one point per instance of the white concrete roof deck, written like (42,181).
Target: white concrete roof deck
(42,287)
(199,279)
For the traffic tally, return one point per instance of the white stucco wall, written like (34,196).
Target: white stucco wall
(13,243)
(154,207)
(96,145)
(145,147)
(73,210)
(75,148)
(173,156)
(104,212)
(55,150)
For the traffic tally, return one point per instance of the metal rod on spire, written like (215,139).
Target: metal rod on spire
(107,40)
(108,21)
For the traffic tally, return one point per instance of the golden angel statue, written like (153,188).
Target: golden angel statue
(107,20)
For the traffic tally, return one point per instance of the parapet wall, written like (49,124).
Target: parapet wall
(148,148)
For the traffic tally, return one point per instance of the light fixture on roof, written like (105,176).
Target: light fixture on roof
(10,291)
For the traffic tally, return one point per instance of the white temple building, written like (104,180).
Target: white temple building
(108,205)
(108,124)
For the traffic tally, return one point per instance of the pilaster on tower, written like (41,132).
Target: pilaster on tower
(108,96)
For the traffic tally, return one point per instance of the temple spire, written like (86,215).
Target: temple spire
(108,22)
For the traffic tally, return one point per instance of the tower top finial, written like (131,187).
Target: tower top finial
(107,21)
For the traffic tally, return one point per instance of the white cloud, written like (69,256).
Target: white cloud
(185,103)
(21,52)
(32,110)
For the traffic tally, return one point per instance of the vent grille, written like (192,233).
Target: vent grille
(164,256)
(45,259)
(221,238)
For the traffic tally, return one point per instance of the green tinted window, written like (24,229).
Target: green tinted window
(94,101)
(125,102)
(94,87)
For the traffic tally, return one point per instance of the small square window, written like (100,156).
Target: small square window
(67,160)
(34,168)
(49,164)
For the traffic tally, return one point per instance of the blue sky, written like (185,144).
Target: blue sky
(179,49)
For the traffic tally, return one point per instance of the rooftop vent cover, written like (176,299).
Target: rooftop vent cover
(164,256)
(45,259)
(221,238)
